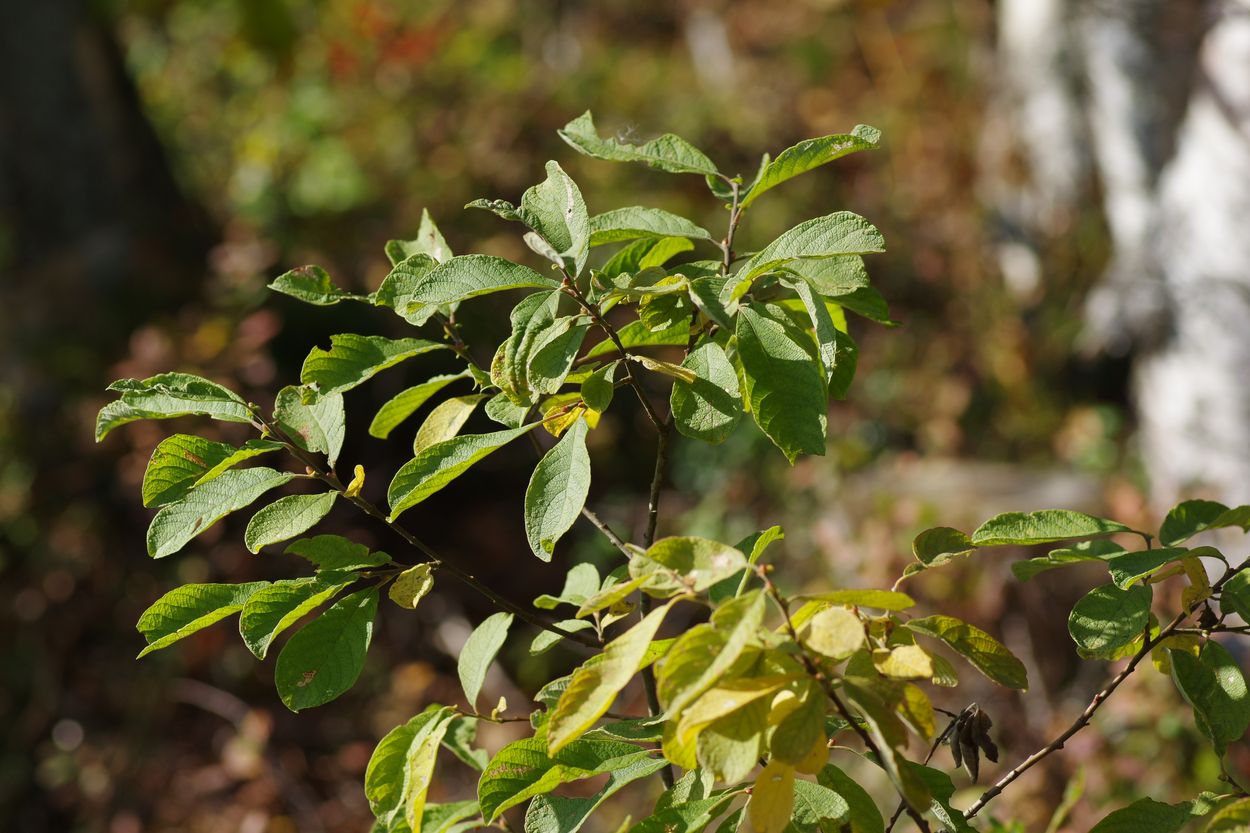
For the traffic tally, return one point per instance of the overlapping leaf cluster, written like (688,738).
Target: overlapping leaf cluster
(749,702)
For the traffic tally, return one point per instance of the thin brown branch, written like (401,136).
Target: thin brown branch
(1087,714)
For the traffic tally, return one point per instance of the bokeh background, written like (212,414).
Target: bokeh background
(164,159)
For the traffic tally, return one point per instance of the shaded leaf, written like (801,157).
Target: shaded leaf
(557,491)
(169,395)
(190,608)
(441,463)
(1214,687)
(594,686)
(987,654)
(353,359)
(401,406)
(332,553)
(312,285)
(177,523)
(709,407)
(324,658)
(1108,618)
(273,609)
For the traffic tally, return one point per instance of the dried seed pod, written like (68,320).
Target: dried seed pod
(982,736)
(968,748)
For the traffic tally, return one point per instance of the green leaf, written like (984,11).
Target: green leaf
(479,652)
(429,241)
(177,523)
(459,740)
(468,276)
(938,546)
(598,388)
(1233,817)
(785,384)
(546,640)
(1146,816)
(1213,685)
(523,769)
(987,654)
(637,222)
(453,817)
(401,767)
(332,553)
(580,583)
(1235,595)
(710,407)
(563,814)
(1108,618)
(809,154)
(504,411)
(312,285)
(833,277)
(403,404)
(688,817)
(880,599)
(867,303)
(705,653)
(840,233)
(169,395)
(176,464)
(1131,567)
(539,352)
(324,658)
(555,210)
(676,564)
(827,335)
(273,609)
(874,698)
(445,421)
(862,812)
(285,518)
(1096,550)
(401,289)
(941,789)
(190,608)
(557,491)
(441,463)
(1044,527)
(410,586)
(316,422)
(667,153)
(1193,516)
(637,334)
(595,685)
(353,359)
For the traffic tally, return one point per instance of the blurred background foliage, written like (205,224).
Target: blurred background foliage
(271,133)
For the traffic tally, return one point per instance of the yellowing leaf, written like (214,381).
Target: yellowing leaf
(836,632)
(594,686)
(411,585)
(903,662)
(727,698)
(772,799)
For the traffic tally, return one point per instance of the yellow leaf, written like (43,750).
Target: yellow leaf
(1162,660)
(815,760)
(410,586)
(903,662)
(667,368)
(726,699)
(358,482)
(835,632)
(772,799)
(682,754)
